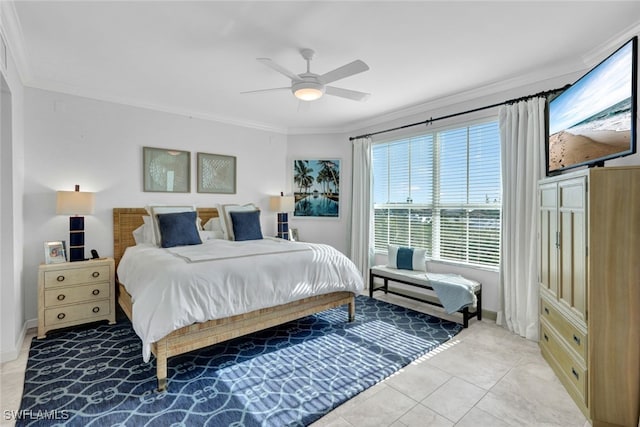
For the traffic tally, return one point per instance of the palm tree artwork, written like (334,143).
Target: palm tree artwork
(317,188)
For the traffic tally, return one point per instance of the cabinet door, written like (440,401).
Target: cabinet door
(548,238)
(573,246)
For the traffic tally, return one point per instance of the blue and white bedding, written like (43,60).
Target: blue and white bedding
(175,287)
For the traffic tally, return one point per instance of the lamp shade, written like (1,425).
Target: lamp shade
(75,203)
(282,203)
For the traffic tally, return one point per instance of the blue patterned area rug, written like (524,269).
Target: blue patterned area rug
(287,375)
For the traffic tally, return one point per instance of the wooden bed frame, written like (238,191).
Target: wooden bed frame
(199,335)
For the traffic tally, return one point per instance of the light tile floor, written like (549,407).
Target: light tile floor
(485,376)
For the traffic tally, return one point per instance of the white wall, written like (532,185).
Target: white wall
(11,223)
(72,140)
(329,146)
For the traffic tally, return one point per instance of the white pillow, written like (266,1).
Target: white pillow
(148,236)
(214,226)
(156,210)
(225,218)
(405,258)
(138,235)
(209,235)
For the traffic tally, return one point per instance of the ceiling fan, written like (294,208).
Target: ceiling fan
(309,86)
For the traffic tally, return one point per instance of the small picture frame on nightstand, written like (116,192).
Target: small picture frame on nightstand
(293,234)
(55,252)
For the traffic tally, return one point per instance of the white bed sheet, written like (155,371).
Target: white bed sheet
(169,292)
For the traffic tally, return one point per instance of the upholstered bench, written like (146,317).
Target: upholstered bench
(454,293)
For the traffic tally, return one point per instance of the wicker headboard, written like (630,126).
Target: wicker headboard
(125,220)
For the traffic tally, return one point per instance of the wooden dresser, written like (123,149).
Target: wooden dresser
(589,278)
(74,293)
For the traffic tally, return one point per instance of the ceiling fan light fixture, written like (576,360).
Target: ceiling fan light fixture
(307,91)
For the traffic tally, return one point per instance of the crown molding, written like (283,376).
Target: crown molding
(62,88)
(12,30)
(595,56)
(559,71)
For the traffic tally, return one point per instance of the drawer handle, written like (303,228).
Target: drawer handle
(61,297)
(95,274)
(546,310)
(96,309)
(61,316)
(575,374)
(96,291)
(546,338)
(576,340)
(60,278)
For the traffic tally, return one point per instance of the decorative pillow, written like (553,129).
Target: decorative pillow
(405,258)
(225,219)
(155,210)
(246,225)
(178,229)
(215,227)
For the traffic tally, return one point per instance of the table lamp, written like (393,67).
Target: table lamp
(283,205)
(75,203)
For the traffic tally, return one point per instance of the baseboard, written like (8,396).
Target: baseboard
(489,315)
(8,356)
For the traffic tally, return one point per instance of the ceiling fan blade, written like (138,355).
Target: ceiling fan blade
(267,90)
(346,93)
(269,63)
(350,69)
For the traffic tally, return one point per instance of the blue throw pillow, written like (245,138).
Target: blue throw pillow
(246,225)
(405,258)
(178,229)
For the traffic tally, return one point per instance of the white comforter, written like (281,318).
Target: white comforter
(172,288)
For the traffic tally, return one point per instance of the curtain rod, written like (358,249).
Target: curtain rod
(431,119)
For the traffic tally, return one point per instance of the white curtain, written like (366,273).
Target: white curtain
(361,224)
(522,135)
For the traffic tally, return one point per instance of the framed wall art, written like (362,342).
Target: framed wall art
(167,171)
(316,188)
(216,173)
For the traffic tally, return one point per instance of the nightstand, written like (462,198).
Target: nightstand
(74,293)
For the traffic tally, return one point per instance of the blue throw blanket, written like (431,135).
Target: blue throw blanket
(454,291)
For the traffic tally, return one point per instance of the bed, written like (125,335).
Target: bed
(202,334)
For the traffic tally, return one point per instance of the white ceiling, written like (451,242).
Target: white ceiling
(195,57)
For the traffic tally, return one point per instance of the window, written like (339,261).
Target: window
(441,191)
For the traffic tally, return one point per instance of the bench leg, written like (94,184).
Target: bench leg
(479,305)
(465,317)
(386,285)
(370,284)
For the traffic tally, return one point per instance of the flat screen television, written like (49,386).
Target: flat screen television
(595,118)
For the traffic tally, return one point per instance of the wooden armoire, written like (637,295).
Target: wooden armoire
(589,278)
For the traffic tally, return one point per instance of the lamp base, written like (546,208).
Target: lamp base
(76,238)
(283,225)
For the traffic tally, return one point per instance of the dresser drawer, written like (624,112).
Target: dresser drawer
(573,337)
(72,313)
(70,295)
(571,371)
(75,276)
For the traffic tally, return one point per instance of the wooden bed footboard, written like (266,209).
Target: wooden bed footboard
(200,335)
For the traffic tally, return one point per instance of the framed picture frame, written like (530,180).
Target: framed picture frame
(166,170)
(55,252)
(293,235)
(216,173)
(316,188)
